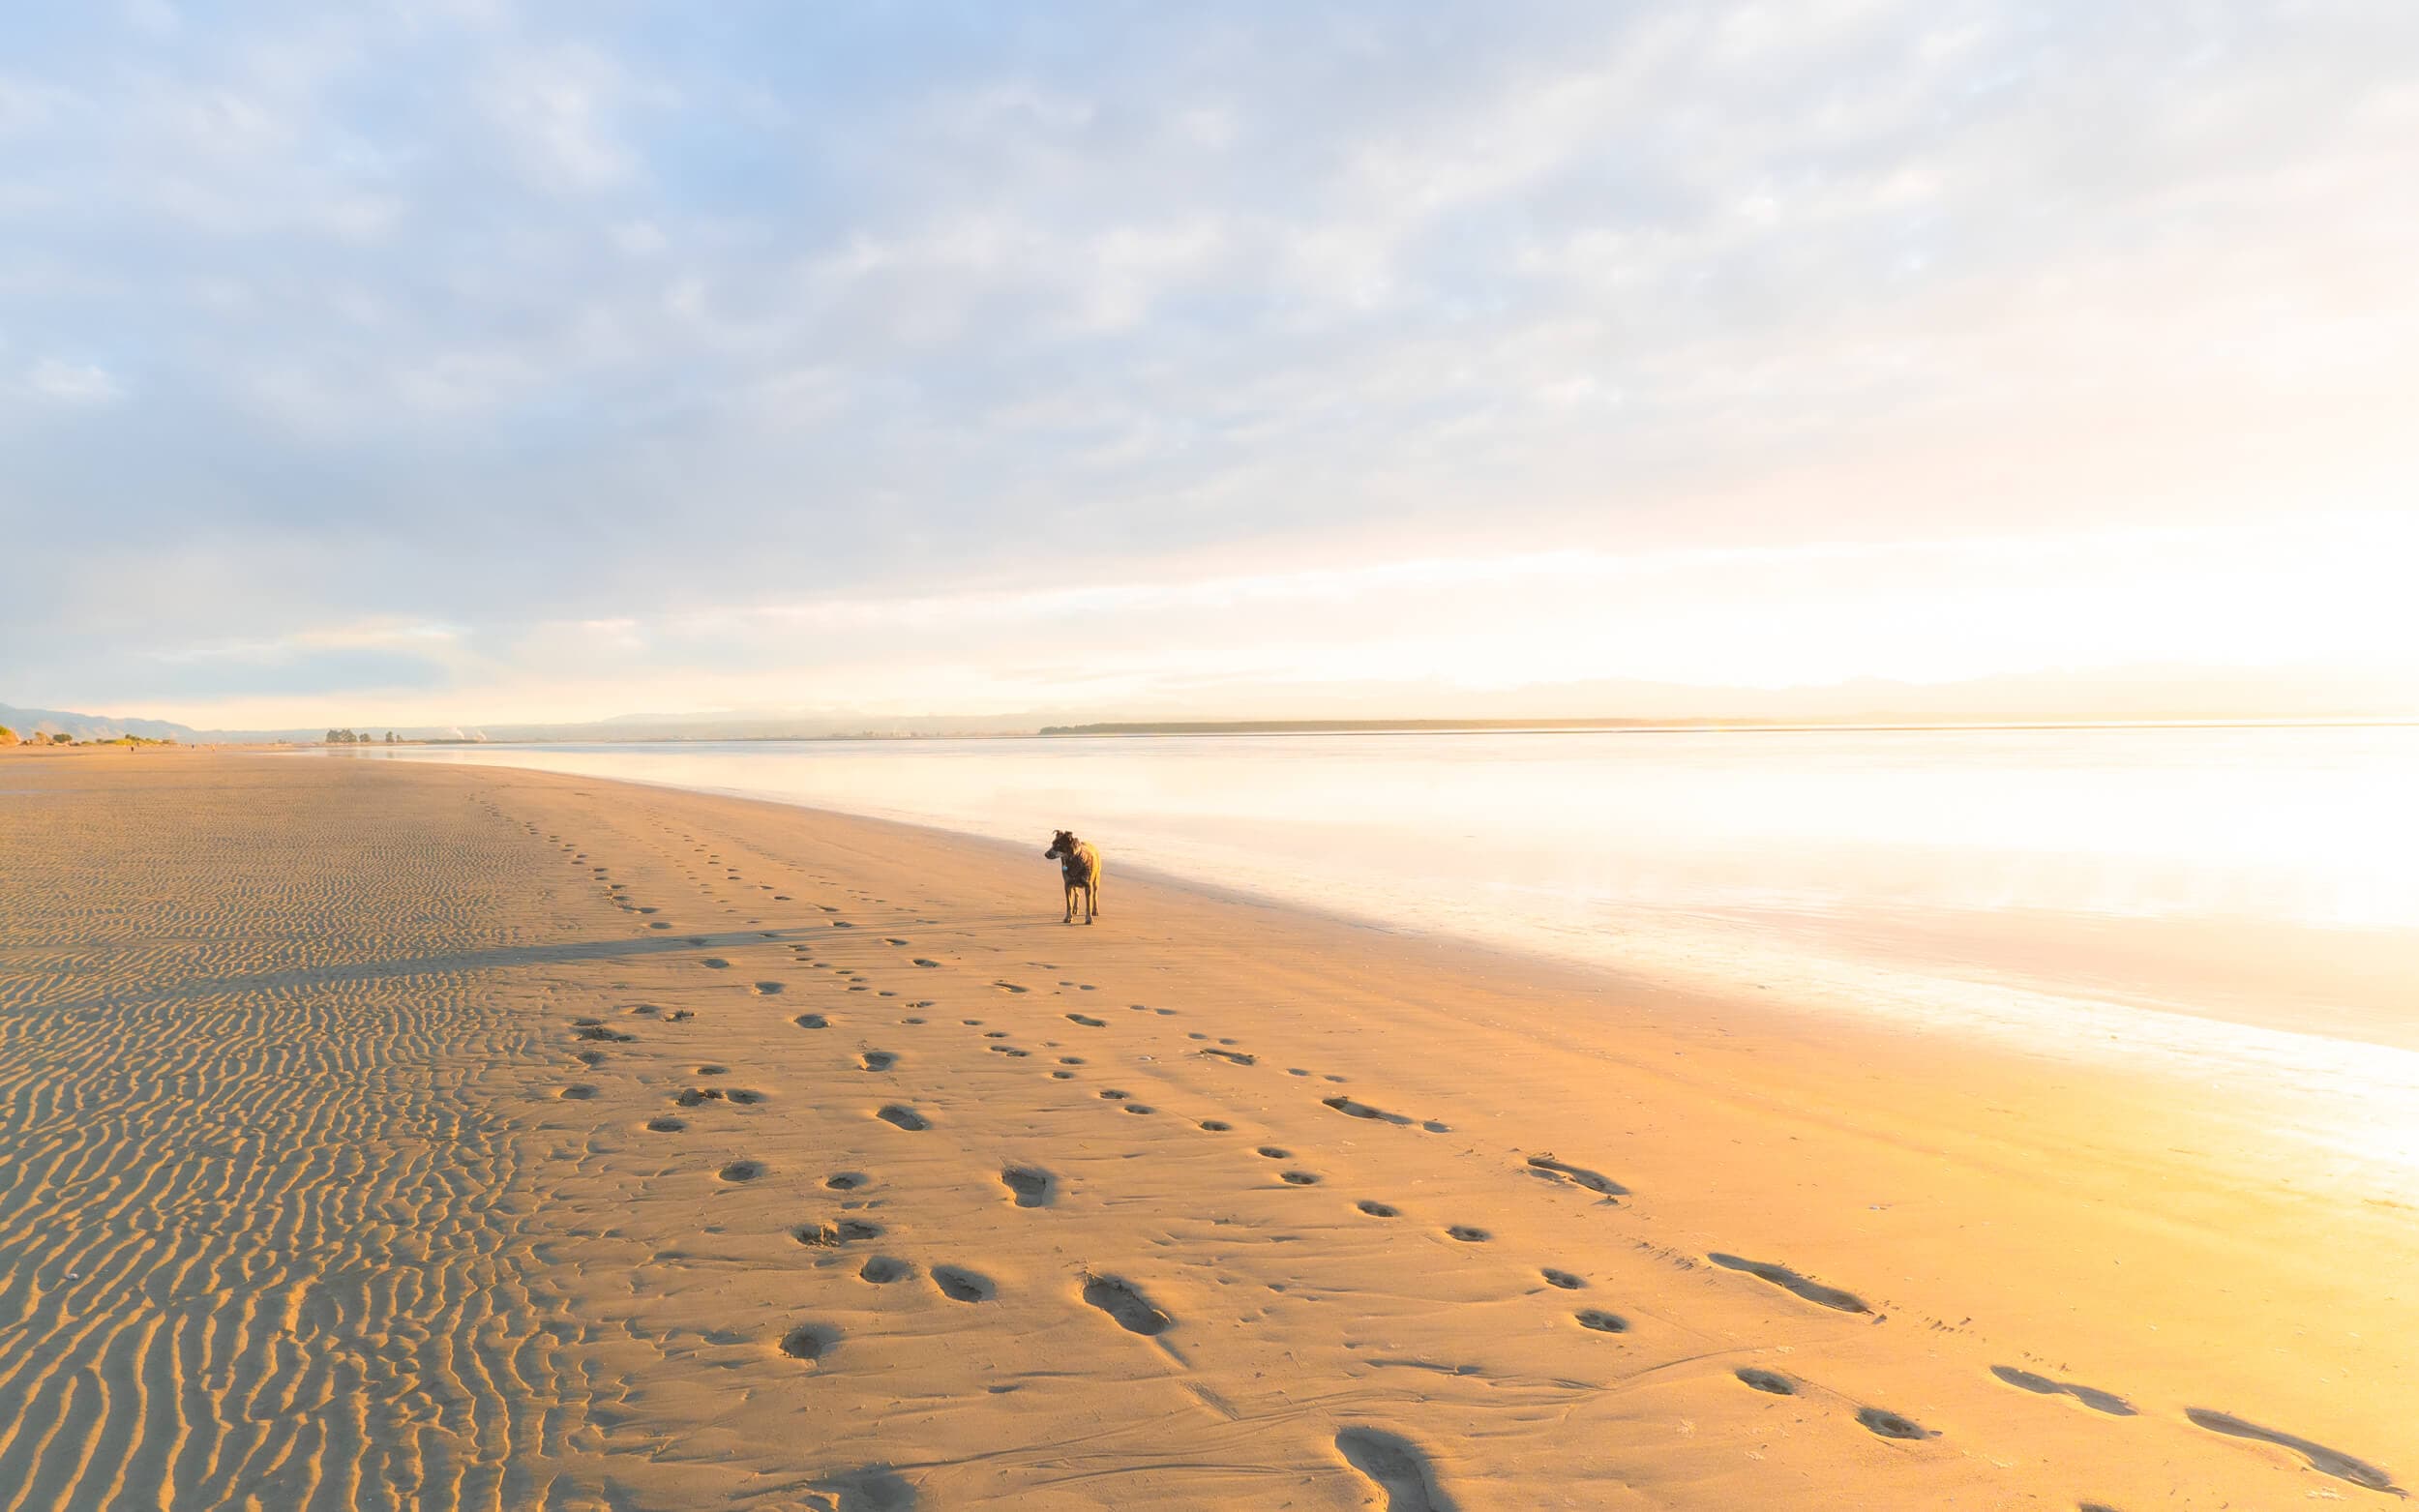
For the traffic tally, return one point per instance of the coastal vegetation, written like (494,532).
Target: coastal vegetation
(59,737)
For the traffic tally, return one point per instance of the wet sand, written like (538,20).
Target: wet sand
(379,1135)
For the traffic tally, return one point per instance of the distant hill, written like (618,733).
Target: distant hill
(87,727)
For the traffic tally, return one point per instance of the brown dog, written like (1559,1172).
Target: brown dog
(1078,868)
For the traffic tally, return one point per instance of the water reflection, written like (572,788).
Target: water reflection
(2257,875)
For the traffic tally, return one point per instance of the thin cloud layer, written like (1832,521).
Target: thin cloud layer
(483,358)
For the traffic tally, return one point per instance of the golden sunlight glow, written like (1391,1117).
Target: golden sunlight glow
(2320,595)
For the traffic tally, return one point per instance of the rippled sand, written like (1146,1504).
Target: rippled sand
(385,1135)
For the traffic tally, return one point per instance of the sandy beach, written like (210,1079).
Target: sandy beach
(375,1134)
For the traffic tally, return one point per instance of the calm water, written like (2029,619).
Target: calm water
(2218,891)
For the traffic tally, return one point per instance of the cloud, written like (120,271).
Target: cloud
(507,316)
(555,110)
(71,383)
(292,672)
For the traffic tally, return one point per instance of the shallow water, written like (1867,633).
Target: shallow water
(2201,891)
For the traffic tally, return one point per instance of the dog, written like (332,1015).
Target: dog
(1078,868)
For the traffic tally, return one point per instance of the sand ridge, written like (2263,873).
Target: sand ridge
(811,1162)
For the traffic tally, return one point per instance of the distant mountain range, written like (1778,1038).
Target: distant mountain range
(2127,694)
(88,726)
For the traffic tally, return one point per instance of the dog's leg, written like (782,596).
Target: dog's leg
(1070,905)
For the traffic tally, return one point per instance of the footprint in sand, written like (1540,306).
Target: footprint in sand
(1217,1125)
(904,1118)
(1890,1425)
(1237,1056)
(666,1125)
(1031,1185)
(1379,1209)
(1791,1282)
(831,1235)
(1351,1109)
(2098,1400)
(1396,1467)
(812,1021)
(769,988)
(1087,1020)
(1601,1321)
(1275,1152)
(1468,1234)
(960,1284)
(847,1180)
(882,1269)
(2325,1461)
(877,1059)
(741,1170)
(1297,1179)
(579,1093)
(1563,1278)
(876,1488)
(1771,1381)
(1123,1302)
(809,1342)
(1594,1181)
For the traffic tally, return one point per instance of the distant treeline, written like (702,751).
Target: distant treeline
(60,737)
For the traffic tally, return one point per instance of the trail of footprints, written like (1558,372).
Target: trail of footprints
(1394,1466)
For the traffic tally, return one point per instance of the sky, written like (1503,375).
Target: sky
(407,363)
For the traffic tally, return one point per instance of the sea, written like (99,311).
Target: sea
(2234,903)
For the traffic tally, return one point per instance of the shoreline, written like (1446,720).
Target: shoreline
(1984,1210)
(1978,989)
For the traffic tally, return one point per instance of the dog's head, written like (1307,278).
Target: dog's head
(1062,845)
